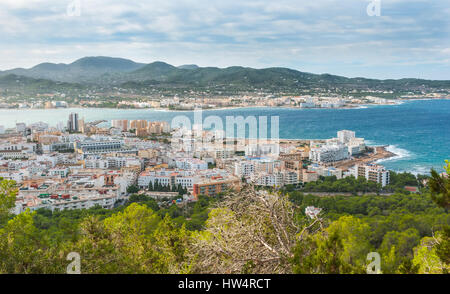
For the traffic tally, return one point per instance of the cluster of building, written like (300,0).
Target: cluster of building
(270,165)
(74,169)
(335,149)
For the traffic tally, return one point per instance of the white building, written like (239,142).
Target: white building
(309,103)
(345,136)
(59,172)
(20,127)
(268,179)
(191,164)
(277,178)
(224,153)
(163,177)
(371,172)
(75,202)
(325,171)
(262,149)
(329,153)
(348,138)
(244,168)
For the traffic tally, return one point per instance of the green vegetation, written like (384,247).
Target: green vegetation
(132,189)
(396,223)
(398,181)
(7,199)
(166,188)
(348,185)
(440,186)
(238,232)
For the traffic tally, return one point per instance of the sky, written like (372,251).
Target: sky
(407,38)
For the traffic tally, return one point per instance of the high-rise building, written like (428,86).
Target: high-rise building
(60,126)
(72,123)
(20,127)
(345,136)
(81,126)
(138,124)
(120,124)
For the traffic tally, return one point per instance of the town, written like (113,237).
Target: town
(193,101)
(79,165)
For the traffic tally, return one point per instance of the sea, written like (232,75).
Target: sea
(417,131)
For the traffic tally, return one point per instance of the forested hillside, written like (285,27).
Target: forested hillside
(237,232)
(103,73)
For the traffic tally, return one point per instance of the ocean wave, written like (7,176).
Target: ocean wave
(419,169)
(415,170)
(400,153)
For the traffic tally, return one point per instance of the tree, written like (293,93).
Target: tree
(440,189)
(397,247)
(355,240)
(440,186)
(427,259)
(8,192)
(340,248)
(173,244)
(249,232)
(320,253)
(132,241)
(133,189)
(24,249)
(144,200)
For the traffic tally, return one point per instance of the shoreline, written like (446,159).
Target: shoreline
(397,159)
(381,153)
(378,153)
(397,101)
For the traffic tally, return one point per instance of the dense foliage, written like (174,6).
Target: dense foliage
(398,182)
(238,232)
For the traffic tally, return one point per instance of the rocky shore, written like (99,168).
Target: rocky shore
(379,152)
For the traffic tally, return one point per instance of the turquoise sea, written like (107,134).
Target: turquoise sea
(417,131)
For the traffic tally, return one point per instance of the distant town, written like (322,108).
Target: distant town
(61,100)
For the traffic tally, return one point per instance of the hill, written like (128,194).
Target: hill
(84,70)
(108,73)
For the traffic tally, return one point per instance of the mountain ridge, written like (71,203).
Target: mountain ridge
(117,72)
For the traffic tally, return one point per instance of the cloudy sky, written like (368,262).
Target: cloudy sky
(411,38)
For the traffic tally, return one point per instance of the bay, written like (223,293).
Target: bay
(417,131)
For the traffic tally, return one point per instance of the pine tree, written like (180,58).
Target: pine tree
(150,186)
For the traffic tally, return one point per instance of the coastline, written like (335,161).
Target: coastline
(405,157)
(381,153)
(394,102)
(378,154)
